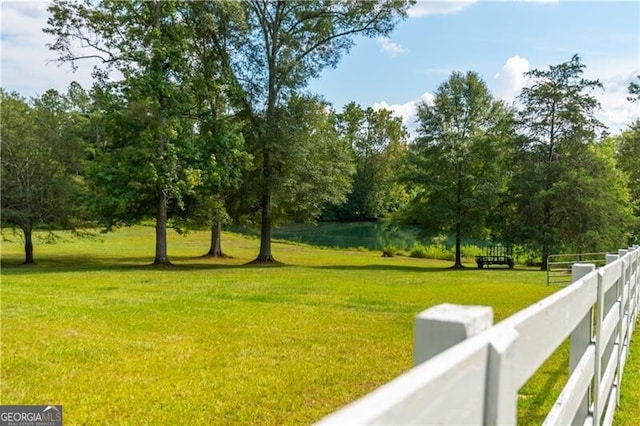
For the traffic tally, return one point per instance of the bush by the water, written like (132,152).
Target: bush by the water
(442,252)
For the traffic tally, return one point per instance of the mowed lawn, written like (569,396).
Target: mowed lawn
(210,341)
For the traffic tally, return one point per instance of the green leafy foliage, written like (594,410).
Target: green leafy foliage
(565,192)
(378,142)
(627,152)
(316,168)
(285,45)
(152,159)
(455,168)
(41,157)
(634,91)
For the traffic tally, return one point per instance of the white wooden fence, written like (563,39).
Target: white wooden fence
(476,381)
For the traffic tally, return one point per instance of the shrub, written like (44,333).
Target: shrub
(389,251)
(470,252)
(434,251)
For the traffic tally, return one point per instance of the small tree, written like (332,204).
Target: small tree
(40,157)
(378,142)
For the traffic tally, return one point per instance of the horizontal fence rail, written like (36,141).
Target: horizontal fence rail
(559,265)
(469,372)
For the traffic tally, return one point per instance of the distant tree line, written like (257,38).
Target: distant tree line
(198,117)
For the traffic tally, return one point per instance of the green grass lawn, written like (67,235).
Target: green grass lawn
(211,341)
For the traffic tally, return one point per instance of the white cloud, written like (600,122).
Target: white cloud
(511,80)
(445,7)
(407,111)
(388,46)
(438,7)
(25,60)
(617,112)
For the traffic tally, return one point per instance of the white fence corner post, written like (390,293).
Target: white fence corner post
(581,338)
(443,326)
(501,398)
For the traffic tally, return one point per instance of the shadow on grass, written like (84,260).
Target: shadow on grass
(537,406)
(413,268)
(76,263)
(376,267)
(72,263)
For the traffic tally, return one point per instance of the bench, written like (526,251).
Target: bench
(496,255)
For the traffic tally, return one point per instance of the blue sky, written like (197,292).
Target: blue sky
(498,39)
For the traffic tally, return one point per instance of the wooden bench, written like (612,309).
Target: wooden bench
(496,255)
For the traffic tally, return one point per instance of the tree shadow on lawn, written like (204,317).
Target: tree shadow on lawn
(378,267)
(413,268)
(534,407)
(14,265)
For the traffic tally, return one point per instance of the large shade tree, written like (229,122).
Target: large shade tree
(455,165)
(148,162)
(287,44)
(217,123)
(560,178)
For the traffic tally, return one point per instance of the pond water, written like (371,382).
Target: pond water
(370,235)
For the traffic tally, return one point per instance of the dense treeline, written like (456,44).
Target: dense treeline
(198,118)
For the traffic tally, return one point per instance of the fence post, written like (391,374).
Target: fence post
(443,326)
(580,339)
(501,403)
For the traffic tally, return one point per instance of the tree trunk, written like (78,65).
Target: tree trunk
(268,139)
(28,246)
(545,255)
(161,231)
(216,240)
(546,235)
(265,256)
(458,262)
(160,67)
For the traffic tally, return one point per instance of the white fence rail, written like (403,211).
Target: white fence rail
(559,265)
(476,381)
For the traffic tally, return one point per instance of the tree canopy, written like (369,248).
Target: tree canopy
(455,165)
(378,143)
(199,116)
(555,157)
(152,158)
(41,157)
(627,153)
(286,45)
